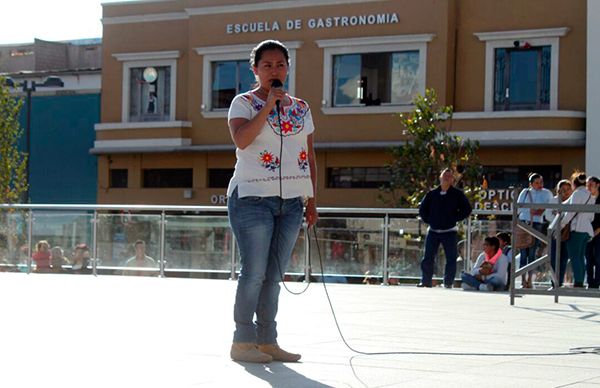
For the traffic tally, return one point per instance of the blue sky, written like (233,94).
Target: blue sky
(24,20)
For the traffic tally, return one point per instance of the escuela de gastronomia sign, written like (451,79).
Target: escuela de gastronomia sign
(314,23)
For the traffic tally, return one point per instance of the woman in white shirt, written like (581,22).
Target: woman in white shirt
(274,172)
(581,227)
(563,192)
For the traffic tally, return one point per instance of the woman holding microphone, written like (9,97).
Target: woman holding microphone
(275,175)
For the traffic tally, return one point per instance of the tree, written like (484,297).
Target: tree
(13,162)
(429,148)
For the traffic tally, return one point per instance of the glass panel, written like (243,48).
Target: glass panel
(406,243)
(351,249)
(117,234)
(346,80)
(376,79)
(405,77)
(480,229)
(246,77)
(14,251)
(523,75)
(499,79)
(198,243)
(69,239)
(230,78)
(224,76)
(545,87)
(150,101)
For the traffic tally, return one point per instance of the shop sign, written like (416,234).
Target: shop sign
(314,23)
(496,199)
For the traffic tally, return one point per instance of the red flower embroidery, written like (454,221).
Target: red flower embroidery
(286,127)
(266,157)
(303,160)
(268,161)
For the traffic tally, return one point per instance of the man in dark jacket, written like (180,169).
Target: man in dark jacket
(441,209)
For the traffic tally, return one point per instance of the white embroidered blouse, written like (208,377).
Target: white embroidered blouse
(257,167)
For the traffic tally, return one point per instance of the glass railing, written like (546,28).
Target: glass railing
(355,244)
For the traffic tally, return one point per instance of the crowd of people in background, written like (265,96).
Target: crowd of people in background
(53,260)
(581,240)
(580,246)
(48,259)
(444,206)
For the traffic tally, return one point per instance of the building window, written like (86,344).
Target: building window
(357,177)
(118,178)
(150,93)
(503,177)
(375,78)
(21,52)
(227,72)
(373,74)
(168,178)
(149,86)
(522,78)
(229,78)
(521,69)
(219,177)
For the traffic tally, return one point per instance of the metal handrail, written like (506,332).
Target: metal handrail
(552,234)
(385,214)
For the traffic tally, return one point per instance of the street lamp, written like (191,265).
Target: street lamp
(28,88)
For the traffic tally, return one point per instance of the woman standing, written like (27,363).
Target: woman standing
(581,227)
(275,170)
(592,255)
(563,192)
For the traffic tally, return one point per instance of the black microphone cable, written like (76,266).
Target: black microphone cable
(571,352)
(277,84)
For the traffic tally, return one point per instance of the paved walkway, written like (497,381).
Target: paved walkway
(110,331)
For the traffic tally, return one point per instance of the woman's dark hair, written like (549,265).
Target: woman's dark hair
(267,45)
(504,236)
(493,241)
(578,178)
(594,179)
(561,183)
(533,176)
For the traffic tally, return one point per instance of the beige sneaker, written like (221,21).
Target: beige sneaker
(248,352)
(278,354)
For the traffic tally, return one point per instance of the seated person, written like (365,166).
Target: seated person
(490,270)
(41,256)
(58,259)
(504,238)
(81,258)
(140,260)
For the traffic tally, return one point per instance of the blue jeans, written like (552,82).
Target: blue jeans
(576,245)
(473,282)
(592,262)
(432,244)
(266,230)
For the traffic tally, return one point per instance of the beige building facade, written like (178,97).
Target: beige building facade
(513,70)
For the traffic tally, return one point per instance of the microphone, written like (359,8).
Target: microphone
(276,84)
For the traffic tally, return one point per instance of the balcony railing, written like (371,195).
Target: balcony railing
(357,244)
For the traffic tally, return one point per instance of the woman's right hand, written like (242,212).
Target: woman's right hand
(275,94)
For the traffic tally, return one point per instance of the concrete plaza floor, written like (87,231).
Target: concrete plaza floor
(110,331)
